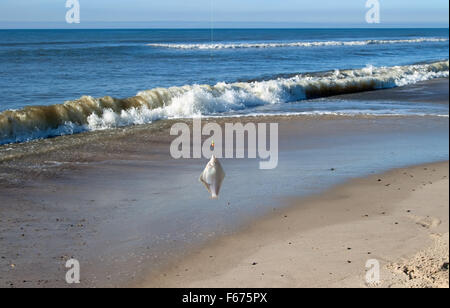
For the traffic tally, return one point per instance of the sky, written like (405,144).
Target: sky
(221,13)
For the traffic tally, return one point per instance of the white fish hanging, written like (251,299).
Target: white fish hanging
(212,177)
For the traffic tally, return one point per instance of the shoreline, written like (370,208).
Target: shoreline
(407,238)
(116,201)
(72,153)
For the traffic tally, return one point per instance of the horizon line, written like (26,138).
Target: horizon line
(181,25)
(234,28)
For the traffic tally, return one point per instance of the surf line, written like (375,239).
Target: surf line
(260,143)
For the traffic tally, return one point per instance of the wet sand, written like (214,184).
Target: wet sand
(117,202)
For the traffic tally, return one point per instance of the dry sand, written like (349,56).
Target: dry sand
(399,219)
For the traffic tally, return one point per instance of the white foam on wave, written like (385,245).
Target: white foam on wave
(88,113)
(225,98)
(210,46)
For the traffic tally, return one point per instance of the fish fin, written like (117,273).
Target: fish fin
(208,187)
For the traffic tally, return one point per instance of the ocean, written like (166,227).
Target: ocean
(57,82)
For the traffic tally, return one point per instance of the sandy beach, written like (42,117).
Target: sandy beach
(399,218)
(133,216)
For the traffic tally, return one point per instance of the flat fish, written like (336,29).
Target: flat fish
(212,177)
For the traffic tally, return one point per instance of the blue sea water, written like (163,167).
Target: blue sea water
(42,67)
(97,79)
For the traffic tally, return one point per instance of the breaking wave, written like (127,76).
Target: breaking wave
(88,113)
(209,46)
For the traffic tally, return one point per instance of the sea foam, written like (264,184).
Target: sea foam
(209,46)
(88,113)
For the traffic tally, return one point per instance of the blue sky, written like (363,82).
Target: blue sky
(198,13)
